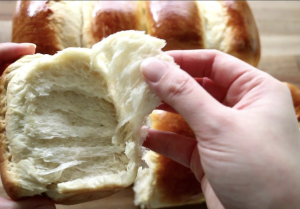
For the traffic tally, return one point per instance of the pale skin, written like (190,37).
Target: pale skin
(247,144)
(247,147)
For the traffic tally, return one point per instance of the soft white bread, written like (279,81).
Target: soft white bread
(228,26)
(70,123)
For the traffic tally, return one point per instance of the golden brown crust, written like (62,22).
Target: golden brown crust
(166,121)
(176,183)
(180,23)
(108,17)
(83,196)
(243,41)
(8,177)
(31,23)
(295,91)
(177,22)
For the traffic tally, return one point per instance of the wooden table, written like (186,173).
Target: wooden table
(279,26)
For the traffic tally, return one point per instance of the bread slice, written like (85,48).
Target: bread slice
(166,183)
(70,123)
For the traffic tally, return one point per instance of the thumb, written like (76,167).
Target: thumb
(178,89)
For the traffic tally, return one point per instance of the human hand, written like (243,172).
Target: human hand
(247,147)
(10,52)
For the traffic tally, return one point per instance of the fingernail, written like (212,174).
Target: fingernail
(153,69)
(28,44)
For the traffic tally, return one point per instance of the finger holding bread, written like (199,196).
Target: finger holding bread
(10,52)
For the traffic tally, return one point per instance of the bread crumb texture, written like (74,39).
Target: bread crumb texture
(73,120)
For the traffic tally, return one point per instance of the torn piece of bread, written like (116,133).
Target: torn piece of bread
(70,123)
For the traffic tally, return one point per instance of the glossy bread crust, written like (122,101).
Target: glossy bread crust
(51,25)
(32,24)
(243,34)
(228,26)
(176,185)
(177,22)
(295,92)
(103,18)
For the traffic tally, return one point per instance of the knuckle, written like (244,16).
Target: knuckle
(179,85)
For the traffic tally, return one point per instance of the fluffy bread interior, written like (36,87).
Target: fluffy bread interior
(61,120)
(73,120)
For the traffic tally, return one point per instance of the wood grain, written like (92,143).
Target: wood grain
(279,26)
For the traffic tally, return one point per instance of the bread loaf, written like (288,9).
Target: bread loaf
(228,26)
(71,122)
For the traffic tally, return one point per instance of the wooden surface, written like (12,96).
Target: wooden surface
(279,27)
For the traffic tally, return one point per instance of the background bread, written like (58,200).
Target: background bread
(165,182)
(51,25)
(70,123)
(103,18)
(228,26)
(295,92)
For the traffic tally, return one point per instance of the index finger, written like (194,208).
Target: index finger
(10,52)
(220,67)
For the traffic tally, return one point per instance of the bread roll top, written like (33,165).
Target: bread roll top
(103,18)
(51,25)
(30,19)
(178,22)
(228,26)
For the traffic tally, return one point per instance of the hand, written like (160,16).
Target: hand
(247,147)
(10,52)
